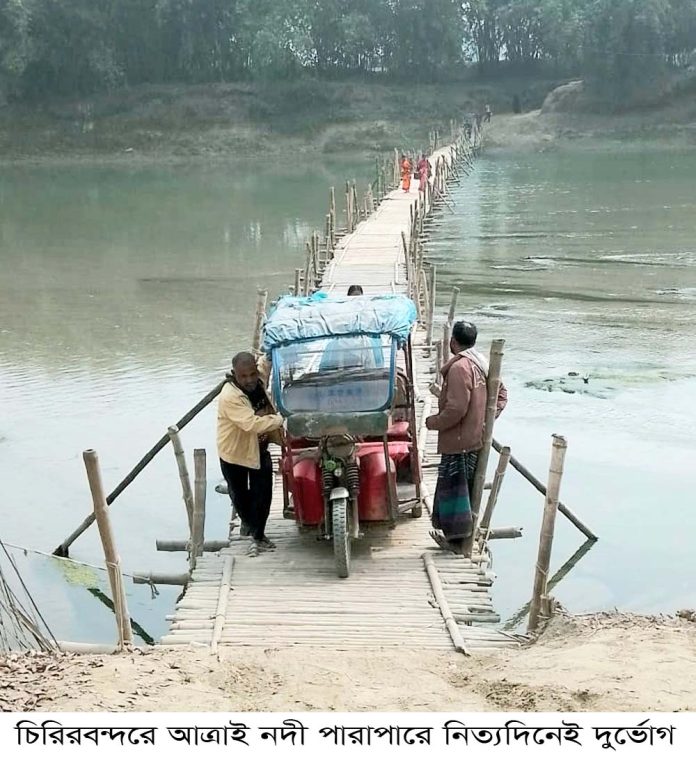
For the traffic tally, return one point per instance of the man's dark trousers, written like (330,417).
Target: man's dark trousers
(251,492)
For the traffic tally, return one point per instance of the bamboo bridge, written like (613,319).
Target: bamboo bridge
(401,591)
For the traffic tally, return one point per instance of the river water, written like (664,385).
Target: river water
(123,294)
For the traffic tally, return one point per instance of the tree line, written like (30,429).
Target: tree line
(73,47)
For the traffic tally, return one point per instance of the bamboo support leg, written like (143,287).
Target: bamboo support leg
(493,384)
(431,303)
(552,582)
(308,270)
(453,305)
(445,343)
(261,301)
(113,563)
(200,482)
(558,452)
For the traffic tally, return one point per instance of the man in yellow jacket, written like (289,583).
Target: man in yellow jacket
(246,423)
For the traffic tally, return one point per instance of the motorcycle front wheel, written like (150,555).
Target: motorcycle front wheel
(341,536)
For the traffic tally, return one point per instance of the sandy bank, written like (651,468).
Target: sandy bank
(607,662)
(672,127)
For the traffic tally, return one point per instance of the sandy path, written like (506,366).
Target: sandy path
(607,662)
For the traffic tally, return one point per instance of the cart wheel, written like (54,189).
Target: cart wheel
(341,536)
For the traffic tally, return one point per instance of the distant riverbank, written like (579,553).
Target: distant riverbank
(536,131)
(181,123)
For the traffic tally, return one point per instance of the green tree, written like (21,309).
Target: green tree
(681,32)
(484,35)
(625,52)
(428,38)
(72,50)
(15,42)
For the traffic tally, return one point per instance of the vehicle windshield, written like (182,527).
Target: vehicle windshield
(347,374)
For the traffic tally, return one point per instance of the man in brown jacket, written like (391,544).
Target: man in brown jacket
(459,423)
(246,422)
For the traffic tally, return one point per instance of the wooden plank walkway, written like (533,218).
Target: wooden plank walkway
(292,596)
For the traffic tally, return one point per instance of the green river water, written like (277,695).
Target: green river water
(123,294)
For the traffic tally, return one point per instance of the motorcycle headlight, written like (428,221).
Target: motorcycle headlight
(340,447)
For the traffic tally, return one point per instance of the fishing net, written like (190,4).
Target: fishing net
(22,626)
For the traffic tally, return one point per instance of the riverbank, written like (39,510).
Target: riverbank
(536,132)
(601,662)
(566,120)
(170,122)
(166,124)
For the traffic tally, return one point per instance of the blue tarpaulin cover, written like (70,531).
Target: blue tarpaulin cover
(306,318)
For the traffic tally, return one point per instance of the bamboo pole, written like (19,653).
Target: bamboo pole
(298,281)
(552,582)
(569,514)
(431,303)
(558,452)
(493,387)
(441,601)
(261,300)
(438,362)
(113,564)
(505,533)
(453,305)
(327,237)
(503,461)
(184,477)
(332,213)
(349,213)
(223,598)
(314,250)
(446,337)
(63,548)
(198,530)
(174,546)
(161,578)
(308,267)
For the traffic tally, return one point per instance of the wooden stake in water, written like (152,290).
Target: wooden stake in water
(113,564)
(558,452)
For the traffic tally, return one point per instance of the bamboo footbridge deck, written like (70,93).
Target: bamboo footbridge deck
(403,591)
